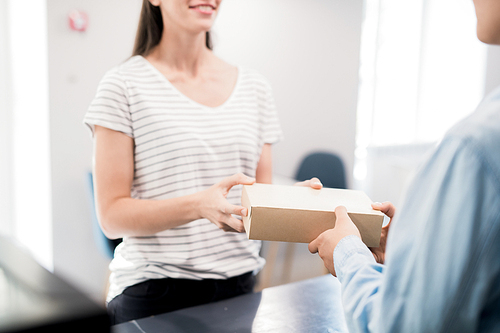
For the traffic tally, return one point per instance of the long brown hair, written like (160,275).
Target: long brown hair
(150,29)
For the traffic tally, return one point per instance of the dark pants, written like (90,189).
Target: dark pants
(164,295)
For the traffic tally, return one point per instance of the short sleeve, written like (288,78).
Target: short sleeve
(270,126)
(110,107)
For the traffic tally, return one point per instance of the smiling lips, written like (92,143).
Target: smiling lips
(204,9)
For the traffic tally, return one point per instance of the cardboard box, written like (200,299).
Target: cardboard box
(299,214)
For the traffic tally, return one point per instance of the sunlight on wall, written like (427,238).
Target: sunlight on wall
(6,202)
(30,128)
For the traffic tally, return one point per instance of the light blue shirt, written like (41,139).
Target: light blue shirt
(442,269)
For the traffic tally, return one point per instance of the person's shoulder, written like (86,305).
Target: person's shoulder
(251,73)
(128,68)
(481,129)
(483,123)
(255,77)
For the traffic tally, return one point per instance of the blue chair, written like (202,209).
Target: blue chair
(105,245)
(328,167)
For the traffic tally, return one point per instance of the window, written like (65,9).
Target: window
(422,69)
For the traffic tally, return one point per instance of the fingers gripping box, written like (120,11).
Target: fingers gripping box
(299,214)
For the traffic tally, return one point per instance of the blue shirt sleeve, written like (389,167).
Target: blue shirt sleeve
(360,277)
(442,258)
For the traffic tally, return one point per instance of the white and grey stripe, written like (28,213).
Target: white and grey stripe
(182,147)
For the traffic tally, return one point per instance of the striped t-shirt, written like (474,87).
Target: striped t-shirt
(183,147)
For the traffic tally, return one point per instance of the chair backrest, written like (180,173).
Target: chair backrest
(105,245)
(328,167)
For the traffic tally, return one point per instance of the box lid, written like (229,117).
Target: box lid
(306,198)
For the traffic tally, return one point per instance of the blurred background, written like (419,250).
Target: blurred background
(376,82)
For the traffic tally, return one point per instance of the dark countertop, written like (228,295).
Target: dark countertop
(312,305)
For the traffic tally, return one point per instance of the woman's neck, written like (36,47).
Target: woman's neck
(181,52)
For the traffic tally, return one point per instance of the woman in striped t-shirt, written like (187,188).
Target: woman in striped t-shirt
(177,132)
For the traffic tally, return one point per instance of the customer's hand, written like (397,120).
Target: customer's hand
(213,205)
(326,242)
(388,209)
(314,183)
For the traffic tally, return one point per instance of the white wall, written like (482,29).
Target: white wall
(77,61)
(309,51)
